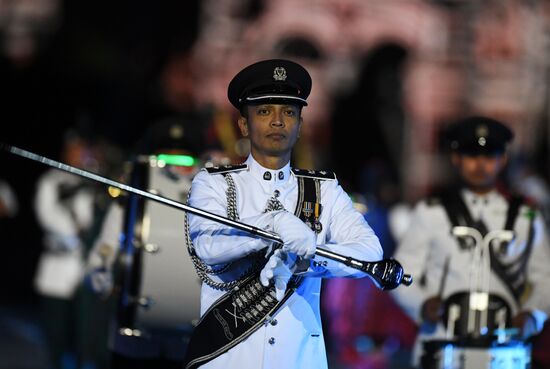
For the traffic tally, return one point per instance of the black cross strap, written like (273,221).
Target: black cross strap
(512,274)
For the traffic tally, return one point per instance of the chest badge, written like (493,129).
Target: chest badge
(312,213)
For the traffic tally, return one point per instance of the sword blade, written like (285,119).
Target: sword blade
(387,273)
(148,195)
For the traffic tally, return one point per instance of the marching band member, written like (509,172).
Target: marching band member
(442,263)
(272,321)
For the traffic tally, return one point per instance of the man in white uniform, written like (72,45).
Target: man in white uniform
(443,264)
(282,328)
(65,207)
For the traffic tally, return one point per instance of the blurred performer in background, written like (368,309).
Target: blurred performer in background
(65,207)
(279,326)
(450,263)
(152,334)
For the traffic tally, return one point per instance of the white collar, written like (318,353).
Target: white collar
(268,175)
(474,199)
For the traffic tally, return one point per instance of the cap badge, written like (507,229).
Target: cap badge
(279,74)
(482,131)
(176,132)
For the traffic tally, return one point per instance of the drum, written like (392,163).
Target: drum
(448,354)
(463,316)
(168,287)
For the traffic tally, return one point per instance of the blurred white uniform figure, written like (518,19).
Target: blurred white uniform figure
(428,243)
(442,265)
(64,208)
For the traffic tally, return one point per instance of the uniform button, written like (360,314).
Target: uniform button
(271,341)
(274,322)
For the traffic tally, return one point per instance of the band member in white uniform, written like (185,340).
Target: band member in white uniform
(160,345)
(65,207)
(441,264)
(268,193)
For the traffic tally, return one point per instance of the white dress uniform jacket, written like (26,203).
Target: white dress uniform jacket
(428,243)
(294,338)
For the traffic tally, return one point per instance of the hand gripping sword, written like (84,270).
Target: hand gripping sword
(386,274)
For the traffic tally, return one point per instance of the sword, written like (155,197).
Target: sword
(386,274)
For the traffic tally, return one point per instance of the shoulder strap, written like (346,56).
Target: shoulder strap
(319,174)
(226,168)
(459,215)
(514,274)
(456,209)
(513,211)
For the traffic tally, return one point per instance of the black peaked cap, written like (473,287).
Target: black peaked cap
(479,135)
(273,81)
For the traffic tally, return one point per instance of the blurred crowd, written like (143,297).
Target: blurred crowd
(98,85)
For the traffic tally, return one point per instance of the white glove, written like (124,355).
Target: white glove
(279,268)
(297,237)
(101,281)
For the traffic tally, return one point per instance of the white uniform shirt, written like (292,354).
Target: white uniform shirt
(61,265)
(294,339)
(428,242)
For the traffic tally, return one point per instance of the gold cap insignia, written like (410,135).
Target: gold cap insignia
(279,74)
(482,131)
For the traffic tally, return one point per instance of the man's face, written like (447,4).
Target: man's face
(273,129)
(479,172)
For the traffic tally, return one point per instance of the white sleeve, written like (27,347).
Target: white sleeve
(413,252)
(51,214)
(216,243)
(348,234)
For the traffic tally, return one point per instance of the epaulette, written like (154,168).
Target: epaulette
(319,174)
(226,168)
